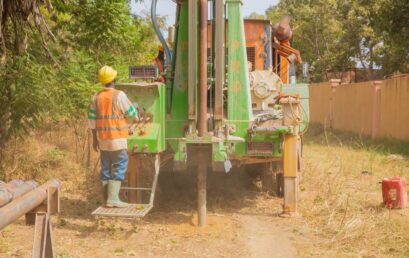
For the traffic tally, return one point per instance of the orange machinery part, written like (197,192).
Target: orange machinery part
(255,39)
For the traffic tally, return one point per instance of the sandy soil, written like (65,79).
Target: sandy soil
(242,222)
(340,203)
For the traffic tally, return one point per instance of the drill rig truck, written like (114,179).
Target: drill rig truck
(224,101)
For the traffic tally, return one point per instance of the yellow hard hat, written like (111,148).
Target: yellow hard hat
(106,74)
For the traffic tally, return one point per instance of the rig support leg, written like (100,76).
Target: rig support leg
(133,174)
(290,176)
(201,192)
(43,246)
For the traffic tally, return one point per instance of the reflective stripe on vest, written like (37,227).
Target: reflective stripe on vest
(110,121)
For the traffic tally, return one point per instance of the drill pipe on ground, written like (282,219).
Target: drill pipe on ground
(14,189)
(23,188)
(5,197)
(22,205)
(12,184)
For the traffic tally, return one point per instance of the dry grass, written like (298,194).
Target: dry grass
(340,202)
(170,229)
(341,198)
(60,151)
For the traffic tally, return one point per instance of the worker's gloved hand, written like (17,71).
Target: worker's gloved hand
(132,128)
(141,112)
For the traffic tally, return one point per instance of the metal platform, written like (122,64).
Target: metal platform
(133,211)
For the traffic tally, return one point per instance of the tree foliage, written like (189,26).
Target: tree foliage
(51,71)
(339,35)
(17,18)
(392,23)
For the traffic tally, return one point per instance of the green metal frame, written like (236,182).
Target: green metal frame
(239,112)
(177,120)
(171,126)
(152,98)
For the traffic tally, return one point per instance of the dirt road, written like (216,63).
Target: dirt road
(267,237)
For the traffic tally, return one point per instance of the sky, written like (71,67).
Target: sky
(168,7)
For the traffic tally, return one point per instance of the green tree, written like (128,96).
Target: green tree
(18,20)
(58,79)
(338,35)
(318,34)
(392,23)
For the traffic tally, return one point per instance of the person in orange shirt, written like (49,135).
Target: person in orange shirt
(107,118)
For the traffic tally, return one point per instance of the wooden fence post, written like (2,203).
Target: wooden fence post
(376,109)
(334,83)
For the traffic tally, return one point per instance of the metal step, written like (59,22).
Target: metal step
(133,211)
(138,210)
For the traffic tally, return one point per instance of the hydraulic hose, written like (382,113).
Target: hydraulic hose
(160,35)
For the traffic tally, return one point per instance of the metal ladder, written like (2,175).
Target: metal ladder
(138,210)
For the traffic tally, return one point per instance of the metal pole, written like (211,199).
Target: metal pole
(26,203)
(13,184)
(201,189)
(219,62)
(23,188)
(5,196)
(203,68)
(15,189)
(290,175)
(192,74)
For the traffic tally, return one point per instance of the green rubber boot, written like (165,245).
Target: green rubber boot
(105,191)
(113,200)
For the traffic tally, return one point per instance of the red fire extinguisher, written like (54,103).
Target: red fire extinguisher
(394,192)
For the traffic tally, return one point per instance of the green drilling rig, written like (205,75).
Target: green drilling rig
(214,108)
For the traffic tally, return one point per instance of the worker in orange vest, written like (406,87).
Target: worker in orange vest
(107,117)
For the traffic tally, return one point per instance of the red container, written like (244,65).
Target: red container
(394,192)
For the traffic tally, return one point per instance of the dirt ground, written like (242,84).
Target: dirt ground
(339,202)
(242,222)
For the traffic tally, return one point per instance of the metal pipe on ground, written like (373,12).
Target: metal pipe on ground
(23,188)
(13,184)
(22,205)
(5,197)
(14,189)
(202,123)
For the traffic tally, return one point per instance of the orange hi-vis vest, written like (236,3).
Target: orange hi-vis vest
(110,120)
